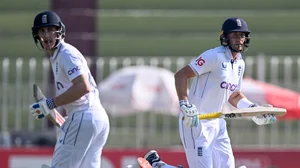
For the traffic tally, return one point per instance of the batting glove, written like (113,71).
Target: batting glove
(264,119)
(42,108)
(190,114)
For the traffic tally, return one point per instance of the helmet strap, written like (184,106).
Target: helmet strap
(57,42)
(41,47)
(226,42)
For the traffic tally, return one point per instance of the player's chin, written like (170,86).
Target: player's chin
(238,47)
(48,47)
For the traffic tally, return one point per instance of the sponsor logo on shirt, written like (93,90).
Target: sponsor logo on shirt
(56,68)
(75,69)
(200,61)
(59,85)
(224,65)
(228,86)
(200,151)
(239,70)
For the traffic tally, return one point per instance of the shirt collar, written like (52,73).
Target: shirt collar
(229,54)
(57,50)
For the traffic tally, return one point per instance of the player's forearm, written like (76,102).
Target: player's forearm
(181,83)
(72,94)
(235,98)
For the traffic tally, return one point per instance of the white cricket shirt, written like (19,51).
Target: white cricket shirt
(218,76)
(68,63)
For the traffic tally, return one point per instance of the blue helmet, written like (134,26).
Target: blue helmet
(234,24)
(45,19)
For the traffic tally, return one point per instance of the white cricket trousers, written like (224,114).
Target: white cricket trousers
(81,140)
(208,145)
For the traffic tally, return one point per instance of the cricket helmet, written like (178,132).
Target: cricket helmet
(45,19)
(234,24)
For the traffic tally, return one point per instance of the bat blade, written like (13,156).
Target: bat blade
(246,112)
(54,115)
(37,93)
(255,111)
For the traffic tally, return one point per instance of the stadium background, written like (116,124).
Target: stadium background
(141,29)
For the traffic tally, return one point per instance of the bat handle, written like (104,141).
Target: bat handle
(208,116)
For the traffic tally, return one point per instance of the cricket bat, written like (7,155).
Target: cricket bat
(245,112)
(54,115)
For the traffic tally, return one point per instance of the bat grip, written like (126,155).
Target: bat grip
(208,116)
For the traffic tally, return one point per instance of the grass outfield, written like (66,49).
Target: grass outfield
(170,23)
(199,4)
(28,5)
(158,45)
(143,22)
(17,5)
(193,45)
(161,35)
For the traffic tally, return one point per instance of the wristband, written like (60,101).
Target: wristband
(183,102)
(50,103)
(244,103)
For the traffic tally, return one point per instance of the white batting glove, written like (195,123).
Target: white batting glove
(264,119)
(190,114)
(42,108)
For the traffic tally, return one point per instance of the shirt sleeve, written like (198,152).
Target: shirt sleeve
(73,66)
(203,63)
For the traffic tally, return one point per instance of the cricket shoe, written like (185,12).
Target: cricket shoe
(143,163)
(153,158)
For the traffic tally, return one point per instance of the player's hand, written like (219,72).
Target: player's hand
(42,108)
(264,105)
(190,112)
(264,119)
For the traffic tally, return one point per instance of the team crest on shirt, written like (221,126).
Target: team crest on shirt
(239,70)
(200,61)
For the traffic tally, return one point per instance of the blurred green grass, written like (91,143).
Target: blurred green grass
(272,33)
(8,5)
(189,22)
(24,124)
(158,45)
(199,4)
(19,5)
(129,31)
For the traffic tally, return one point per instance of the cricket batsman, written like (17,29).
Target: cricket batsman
(217,78)
(85,131)
(218,75)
